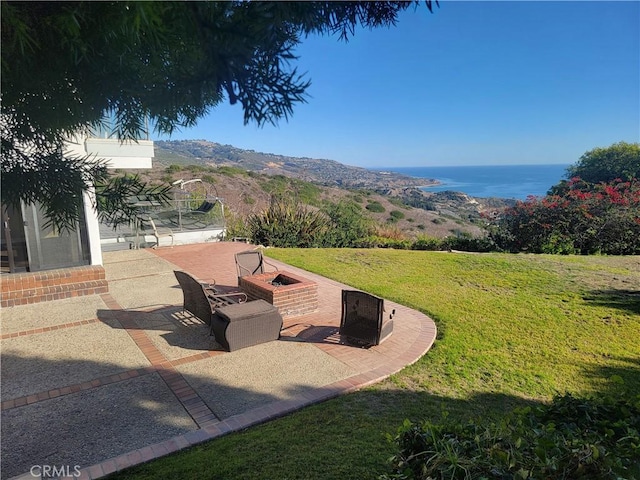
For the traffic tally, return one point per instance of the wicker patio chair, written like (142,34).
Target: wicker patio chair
(201,299)
(251,262)
(363,321)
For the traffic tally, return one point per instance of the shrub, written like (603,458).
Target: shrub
(285,224)
(391,232)
(348,225)
(376,241)
(558,244)
(375,207)
(236,225)
(247,199)
(173,168)
(584,218)
(397,244)
(570,438)
(468,243)
(428,243)
(231,171)
(398,202)
(280,185)
(209,179)
(396,215)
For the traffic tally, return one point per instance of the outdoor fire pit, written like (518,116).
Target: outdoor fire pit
(291,294)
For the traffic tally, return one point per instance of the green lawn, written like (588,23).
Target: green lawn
(512,330)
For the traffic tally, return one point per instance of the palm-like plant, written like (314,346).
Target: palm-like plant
(288,224)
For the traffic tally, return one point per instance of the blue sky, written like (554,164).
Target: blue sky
(474,83)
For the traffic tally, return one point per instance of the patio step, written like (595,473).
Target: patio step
(36,287)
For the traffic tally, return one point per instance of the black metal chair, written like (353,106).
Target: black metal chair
(251,262)
(363,321)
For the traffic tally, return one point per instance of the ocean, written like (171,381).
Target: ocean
(503,181)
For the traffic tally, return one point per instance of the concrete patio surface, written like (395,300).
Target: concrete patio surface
(101,383)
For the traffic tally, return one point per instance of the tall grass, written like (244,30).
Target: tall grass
(513,330)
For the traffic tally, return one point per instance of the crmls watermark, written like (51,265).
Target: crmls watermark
(55,471)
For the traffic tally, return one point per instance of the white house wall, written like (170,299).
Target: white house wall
(128,154)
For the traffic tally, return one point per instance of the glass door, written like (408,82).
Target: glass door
(49,248)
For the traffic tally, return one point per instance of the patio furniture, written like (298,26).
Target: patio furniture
(158,235)
(196,217)
(251,262)
(200,299)
(246,324)
(363,321)
(204,207)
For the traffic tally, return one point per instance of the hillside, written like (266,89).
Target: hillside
(246,179)
(319,171)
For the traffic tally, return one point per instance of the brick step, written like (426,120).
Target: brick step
(35,287)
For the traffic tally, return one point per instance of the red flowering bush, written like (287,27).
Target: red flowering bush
(580,218)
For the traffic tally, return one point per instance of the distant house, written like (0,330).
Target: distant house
(41,263)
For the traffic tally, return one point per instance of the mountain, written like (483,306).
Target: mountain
(319,171)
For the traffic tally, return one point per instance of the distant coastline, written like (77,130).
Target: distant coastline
(486,181)
(424,182)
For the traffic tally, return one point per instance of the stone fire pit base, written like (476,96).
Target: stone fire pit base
(291,294)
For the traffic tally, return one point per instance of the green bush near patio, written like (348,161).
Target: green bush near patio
(514,331)
(571,438)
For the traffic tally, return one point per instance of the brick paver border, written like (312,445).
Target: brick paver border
(36,331)
(197,409)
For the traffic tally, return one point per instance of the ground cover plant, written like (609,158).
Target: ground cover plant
(571,438)
(514,331)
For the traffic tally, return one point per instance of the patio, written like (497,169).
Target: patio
(108,381)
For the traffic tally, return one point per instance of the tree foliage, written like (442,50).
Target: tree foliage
(115,197)
(67,65)
(618,161)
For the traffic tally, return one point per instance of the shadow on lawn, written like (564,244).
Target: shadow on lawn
(620,299)
(620,378)
(344,438)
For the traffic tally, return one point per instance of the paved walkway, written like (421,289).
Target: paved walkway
(97,384)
